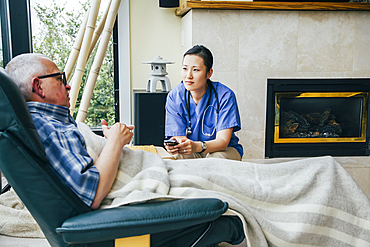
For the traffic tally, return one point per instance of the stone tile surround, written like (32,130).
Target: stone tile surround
(359,168)
(250,46)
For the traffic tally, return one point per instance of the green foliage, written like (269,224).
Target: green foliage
(55,39)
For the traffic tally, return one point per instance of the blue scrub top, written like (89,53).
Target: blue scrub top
(228,117)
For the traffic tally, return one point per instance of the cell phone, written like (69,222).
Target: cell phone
(171,142)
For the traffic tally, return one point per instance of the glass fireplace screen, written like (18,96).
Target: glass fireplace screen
(313,117)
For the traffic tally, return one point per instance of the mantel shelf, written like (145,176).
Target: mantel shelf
(257,5)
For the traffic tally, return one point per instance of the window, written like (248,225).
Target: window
(54,29)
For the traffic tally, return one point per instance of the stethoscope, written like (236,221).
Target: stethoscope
(187,106)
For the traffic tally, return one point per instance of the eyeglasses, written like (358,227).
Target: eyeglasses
(64,80)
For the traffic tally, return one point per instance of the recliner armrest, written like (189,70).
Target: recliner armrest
(140,219)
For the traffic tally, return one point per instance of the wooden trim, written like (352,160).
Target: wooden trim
(257,5)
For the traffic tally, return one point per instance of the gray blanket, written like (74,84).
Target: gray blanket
(307,202)
(15,219)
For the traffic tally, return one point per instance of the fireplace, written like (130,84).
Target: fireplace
(312,117)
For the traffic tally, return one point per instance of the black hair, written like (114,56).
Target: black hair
(202,52)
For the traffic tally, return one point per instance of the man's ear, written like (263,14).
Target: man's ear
(37,87)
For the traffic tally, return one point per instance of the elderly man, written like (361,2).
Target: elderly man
(46,91)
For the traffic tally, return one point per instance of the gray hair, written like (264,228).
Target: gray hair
(23,68)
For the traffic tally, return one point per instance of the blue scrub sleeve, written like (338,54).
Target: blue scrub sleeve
(229,113)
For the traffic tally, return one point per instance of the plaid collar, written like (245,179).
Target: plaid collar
(60,113)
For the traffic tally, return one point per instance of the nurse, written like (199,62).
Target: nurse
(202,115)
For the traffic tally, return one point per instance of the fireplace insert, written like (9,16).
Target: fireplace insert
(313,117)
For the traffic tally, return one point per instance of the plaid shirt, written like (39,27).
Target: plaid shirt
(65,148)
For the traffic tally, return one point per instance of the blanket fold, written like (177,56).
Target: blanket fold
(306,202)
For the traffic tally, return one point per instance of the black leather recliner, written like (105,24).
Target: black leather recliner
(65,220)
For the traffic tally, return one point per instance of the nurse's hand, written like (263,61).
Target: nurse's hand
(186,146)
(173,149)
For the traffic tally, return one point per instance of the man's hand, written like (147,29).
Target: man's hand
(104,123)
(122,133)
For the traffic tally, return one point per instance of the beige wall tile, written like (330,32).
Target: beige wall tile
(361,61)
(324,74)
(218,30)
(253,143)
(326,41)
(268,40)
(229,79)
(252,100)
(361,73)
(362,177)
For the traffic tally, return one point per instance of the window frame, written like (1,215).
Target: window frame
(15,28)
